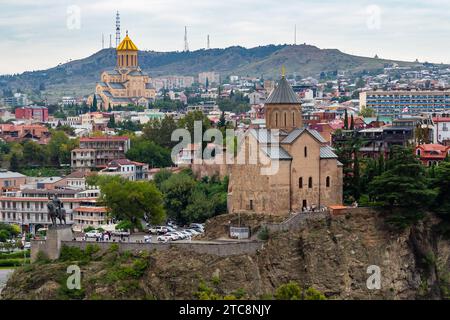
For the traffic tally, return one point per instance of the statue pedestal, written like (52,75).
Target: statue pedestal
(51,247)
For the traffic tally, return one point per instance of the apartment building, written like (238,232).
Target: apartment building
(396,103)
(33,113)
(130,170)
(97,152)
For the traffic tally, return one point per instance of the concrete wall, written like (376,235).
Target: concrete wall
(52,246)
(219,249)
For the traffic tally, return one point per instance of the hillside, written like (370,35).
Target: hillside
(330,255)
(78,77)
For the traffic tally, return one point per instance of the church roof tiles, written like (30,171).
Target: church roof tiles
(283,94)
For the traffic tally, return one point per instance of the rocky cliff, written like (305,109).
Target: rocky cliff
(331,255)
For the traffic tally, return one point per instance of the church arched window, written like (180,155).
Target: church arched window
(285,118)
(310,182)
(327,182)
(300,183)
(293,119)
(276,119)
(305,150)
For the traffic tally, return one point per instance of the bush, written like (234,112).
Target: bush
(289,291)
(88,229)
(15,255)
(13,262)
(263,234)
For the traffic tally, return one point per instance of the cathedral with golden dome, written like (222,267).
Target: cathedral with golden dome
(126,84)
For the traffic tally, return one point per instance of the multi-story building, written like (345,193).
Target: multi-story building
(17,100)
(396,103)
(36,113)
(97,152)
(441,130)
(130,170)
(213,77)
(28,208)
(11,180)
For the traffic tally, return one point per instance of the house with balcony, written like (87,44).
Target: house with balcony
(97,152)
(127,169)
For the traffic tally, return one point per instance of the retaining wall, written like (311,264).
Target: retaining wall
(219,249)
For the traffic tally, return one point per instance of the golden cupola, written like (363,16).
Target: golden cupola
(127,54)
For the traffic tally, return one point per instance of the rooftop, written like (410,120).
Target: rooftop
(283,94)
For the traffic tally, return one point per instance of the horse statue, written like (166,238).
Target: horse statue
(56,211)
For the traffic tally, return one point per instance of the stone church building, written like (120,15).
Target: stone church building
(126,84)
(306,170)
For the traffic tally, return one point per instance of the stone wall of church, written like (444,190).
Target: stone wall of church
(283,116)
(305,166)
(331,195)
(251,191)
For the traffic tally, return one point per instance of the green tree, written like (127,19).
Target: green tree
(112,122)
(177,192)
(14,163)
(34,153)
(147,151)
(60,147)
(404,186)
(132,201)
(94,104)
(161,176)
(160,131)
(345,120)
(367,112)
(352,123)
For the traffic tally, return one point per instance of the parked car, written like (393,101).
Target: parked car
(197,226)
(193,232)
(27,245)
(93,234)
(170,229)
(148,239)
(163,238)
(152,229)
(119,233)
(161,230)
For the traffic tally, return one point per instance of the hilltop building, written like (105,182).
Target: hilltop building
(126,84)
(308,174)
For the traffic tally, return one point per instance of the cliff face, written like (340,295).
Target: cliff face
(331,255)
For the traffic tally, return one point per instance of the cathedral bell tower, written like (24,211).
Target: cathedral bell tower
(127,54)
(282,108)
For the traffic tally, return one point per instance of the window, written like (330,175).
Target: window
(251,204)
(276,119)
(293,119)
(285,119)
(300,183)
(327,182)
(310,182)
(306,151)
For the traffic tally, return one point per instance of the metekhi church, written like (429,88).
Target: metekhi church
(309,174)
(126,84)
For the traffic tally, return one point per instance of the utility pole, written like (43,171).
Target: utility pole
(207,42)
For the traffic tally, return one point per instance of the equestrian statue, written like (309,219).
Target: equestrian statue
(55,210)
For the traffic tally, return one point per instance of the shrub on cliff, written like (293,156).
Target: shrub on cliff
(292,291)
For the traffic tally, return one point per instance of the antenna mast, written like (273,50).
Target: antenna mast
(207,42)
(186,46)
(110,40)
(295,35)
(117,29)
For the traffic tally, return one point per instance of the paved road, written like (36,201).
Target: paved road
(4,274)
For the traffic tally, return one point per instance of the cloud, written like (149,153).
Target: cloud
(405,29)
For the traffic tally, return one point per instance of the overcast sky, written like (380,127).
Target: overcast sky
(38,34)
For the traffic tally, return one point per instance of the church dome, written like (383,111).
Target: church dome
(127,45)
